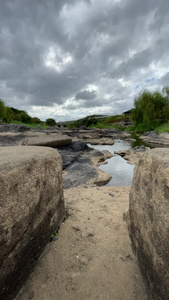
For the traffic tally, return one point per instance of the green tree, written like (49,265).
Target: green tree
(50,122)
(2,109)
(7,114)
(151,107)
(25,118)
(36,120)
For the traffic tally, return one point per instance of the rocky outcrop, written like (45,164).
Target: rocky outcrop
(14,128)
(33,138)
(149,221)
(100,141)
(31,209)
(80,165)
(132,155)
(47,139)
(97,136)
(153,137)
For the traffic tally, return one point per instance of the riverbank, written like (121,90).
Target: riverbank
(92,258)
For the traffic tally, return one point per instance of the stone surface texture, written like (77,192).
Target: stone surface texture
(31,209)
(149,219)
(47,139)
(154,137)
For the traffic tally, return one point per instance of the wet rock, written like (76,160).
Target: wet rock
(140,148)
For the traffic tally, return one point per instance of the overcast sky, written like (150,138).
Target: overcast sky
(65,59)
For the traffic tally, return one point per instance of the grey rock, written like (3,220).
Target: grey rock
(140,148)
(55,238)
(149,221)
(13,128)
(10,140)
(75,146)
(111,194)
(80,172)
(31,209)
(90,234)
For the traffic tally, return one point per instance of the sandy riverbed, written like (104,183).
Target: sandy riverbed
(93,258)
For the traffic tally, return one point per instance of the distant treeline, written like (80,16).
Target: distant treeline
(10,114)
(151,109)
(98,121)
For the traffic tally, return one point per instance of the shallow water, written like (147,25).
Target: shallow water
(117,167)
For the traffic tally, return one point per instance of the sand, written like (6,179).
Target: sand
(92,257)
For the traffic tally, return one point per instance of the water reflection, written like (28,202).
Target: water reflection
(120,170)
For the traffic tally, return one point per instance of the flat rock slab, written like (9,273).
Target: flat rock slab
(156,138)
(92,258)
(100,141)
(47,139)
(30,138)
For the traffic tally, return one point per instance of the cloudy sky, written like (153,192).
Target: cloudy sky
(66,59)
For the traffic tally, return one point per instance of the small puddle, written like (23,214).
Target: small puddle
(117,167)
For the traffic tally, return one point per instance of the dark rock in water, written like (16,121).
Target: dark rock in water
(72,152)
(79,169)
(13,128)
(94,153)
(140,148)
(151,133)
(68,157)
(80,172)
(75,146)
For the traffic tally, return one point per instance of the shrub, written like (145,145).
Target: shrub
(50,122)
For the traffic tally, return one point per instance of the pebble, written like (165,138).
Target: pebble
(55,238)
(111,194)
(90,234)
(76,228)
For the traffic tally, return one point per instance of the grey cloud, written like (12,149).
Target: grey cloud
(106,41)
(86,95)
(165,79)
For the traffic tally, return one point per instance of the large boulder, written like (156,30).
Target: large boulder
(149,219)
(33,138)
(31,209)
(47,139)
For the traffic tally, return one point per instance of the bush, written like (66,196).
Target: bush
(36,120)
(50,122)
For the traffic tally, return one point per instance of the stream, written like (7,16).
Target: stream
(117,167)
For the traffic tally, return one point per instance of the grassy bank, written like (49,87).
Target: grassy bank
(30,125)
(117,122)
